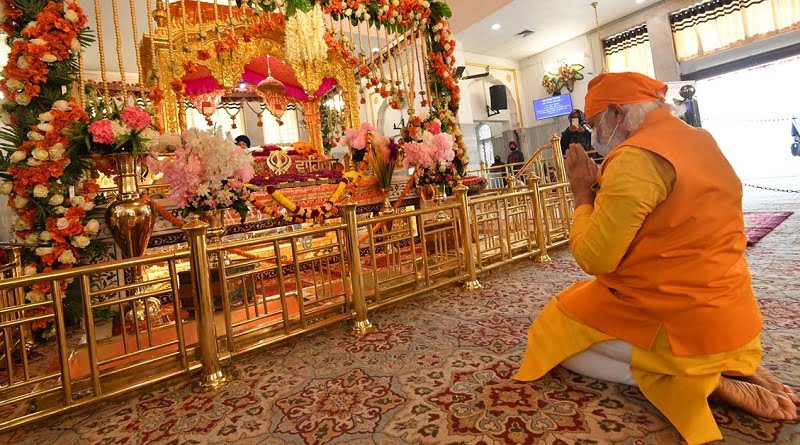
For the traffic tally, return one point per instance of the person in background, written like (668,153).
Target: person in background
(516,156)
(577,133)
(243,141)
(498,162)
(671,307)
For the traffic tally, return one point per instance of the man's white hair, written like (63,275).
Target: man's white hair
(636,113)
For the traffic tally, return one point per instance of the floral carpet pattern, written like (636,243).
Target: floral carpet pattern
(437,370)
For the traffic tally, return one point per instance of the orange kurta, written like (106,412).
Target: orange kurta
(685,270)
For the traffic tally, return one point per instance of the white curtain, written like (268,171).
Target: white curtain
(275,134)
(630,51)
(715,25)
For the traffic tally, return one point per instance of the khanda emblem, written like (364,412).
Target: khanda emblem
(279,162)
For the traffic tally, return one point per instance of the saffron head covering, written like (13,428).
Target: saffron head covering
(622,89)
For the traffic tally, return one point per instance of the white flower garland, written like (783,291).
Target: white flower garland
(305,36)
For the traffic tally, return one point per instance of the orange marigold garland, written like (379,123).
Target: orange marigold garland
(43,172)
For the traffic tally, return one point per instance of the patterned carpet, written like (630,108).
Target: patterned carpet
(757,225)
(437,371)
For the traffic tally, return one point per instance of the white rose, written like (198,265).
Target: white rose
(32,239)
(6,187)
(56,200)
(33,162)
(35,296)
(49,58)
(88,206)
(44,126)
(71,15)
(39,42)
(18,156)
(14,84)
(59,210)
(92,227)
(40,154)
(67,257)
(57,151)
(42,251)
(45,236)
(75,45)
(22,63)
(41,191)
(62,223)
(61,105)
(35,136)
(20,202)
(80,242)
(19,224)
(23,99)
(77,201)
(46,117)
(6,118)
(30,270)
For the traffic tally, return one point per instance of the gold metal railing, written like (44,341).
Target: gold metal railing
(225,299)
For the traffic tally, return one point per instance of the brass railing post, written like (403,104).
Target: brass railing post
(472,282)
(555,145)
(538,220)
(362,325)
(484,172)
(212,376)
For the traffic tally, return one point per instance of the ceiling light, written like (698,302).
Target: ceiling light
(375,50)
(640,1)
(496,26)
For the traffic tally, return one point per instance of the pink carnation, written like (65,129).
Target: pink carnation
(135,118)
(434,126)
(102,132)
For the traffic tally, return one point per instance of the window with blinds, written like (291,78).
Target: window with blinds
(629,51)
(716,25)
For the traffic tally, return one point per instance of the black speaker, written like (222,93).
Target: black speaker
(499,100)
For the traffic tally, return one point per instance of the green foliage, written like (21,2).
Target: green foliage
(240,205)
(439,11)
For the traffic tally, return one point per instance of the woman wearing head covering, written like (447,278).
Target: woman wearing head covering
(577,133)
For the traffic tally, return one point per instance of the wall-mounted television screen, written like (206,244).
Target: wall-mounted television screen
(553,106)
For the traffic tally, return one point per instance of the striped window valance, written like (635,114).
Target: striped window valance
(715,25)
(629,51)
(625,40)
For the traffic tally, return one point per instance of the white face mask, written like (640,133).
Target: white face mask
(574,122)
(604,148)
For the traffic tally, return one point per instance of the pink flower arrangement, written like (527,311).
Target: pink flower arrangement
(135,118)
(208,172)
(131,130)
(431,152)
(357,138)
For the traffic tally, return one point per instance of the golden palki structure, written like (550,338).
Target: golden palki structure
(148,245)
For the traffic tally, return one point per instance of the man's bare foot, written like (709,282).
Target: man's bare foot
(754,399)
(766,379)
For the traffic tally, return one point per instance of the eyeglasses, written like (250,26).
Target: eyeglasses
(593,126)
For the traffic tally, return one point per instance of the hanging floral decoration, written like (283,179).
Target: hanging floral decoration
(430,150)
(43,173)
(565,75)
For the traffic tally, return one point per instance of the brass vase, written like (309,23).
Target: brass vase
(131,216)
(387,203)
(216,224)
(439,198)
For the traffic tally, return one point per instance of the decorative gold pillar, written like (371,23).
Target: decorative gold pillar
(472,283)
(361,325)
(538,220)
(313,127)
(212,376)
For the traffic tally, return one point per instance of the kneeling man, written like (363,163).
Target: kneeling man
(671,308)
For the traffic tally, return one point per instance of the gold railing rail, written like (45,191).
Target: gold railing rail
(230,298)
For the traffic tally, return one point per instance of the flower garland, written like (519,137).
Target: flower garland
(297,214)
(43,171)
